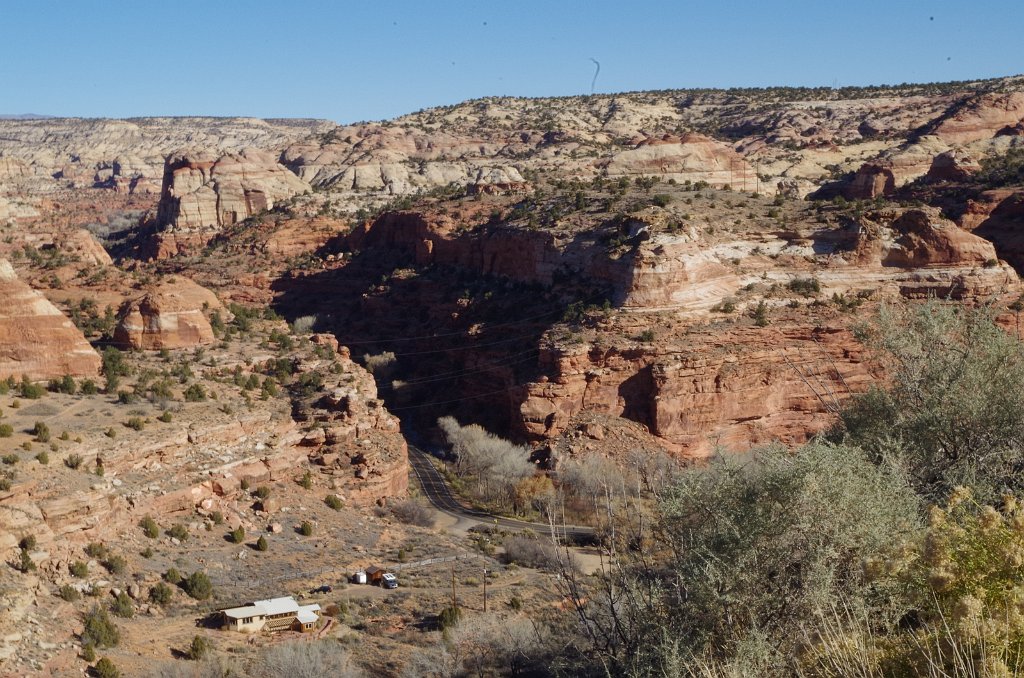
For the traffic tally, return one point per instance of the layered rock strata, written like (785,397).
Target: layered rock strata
(36,339)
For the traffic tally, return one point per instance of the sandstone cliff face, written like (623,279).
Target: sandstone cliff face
(982,117)
(170,316)
(201,192)
(732,389)
(35,338)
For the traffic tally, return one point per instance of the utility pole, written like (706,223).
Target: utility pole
(485,589)
(455,600)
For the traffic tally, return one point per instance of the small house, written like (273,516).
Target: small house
(273,614)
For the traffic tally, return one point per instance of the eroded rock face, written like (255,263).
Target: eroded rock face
(356,440)
(955,165)
(918,238)
(82,243)
(871,181)
(982,118)
(36,339)
(172,315)
(205,193)
(689,158)
(743,387)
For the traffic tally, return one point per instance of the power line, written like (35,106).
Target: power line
(447,402)
(462,333)
(530,354)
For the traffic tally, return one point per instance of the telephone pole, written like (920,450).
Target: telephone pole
(485,589)
(455,600)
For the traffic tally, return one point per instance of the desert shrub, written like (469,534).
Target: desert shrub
(115,564)
(6,430)
(42,432)
(306,481)
(301,659)
(217,517)
(122,606)
(78,569)
(413,513)
(198,586)
(449,617)
(261,544)
(135,423)
(127,398)
(727,305)
(99,630)
(963,581)
(27,543)
(195,393)
(69,593)
(161,594)
(380,365)
(306,528)
(89,387)
(43,458)
(179,532)
(10,459)
(106,669)
(73,460)
(238,535)
(149,527)
(29,390)
(262,492)
(304,324)
(24,562)
(536,553)
(88,653)
(804,286)
(114,367)
(952,410)
(172,576)
(165,417)
(67,385)
(334,501)
(96,550)
(758,545)
(199,648)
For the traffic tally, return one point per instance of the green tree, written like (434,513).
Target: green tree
(952,408)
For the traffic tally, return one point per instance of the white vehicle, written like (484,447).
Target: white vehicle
(389,581)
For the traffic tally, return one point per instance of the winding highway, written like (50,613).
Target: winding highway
(436,489)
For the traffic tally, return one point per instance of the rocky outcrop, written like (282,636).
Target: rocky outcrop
(36,339)
(954,165)
(872,180)
(982,117)
(83,244)
(732,389)
(691,157)
(356,440)
(172,315)
(204,193)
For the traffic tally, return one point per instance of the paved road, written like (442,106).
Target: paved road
(435,487)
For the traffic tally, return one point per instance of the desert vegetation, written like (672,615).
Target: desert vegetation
(888,547)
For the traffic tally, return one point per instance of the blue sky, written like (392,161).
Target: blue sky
(350,61)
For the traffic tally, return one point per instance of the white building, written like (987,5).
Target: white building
(273,614)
